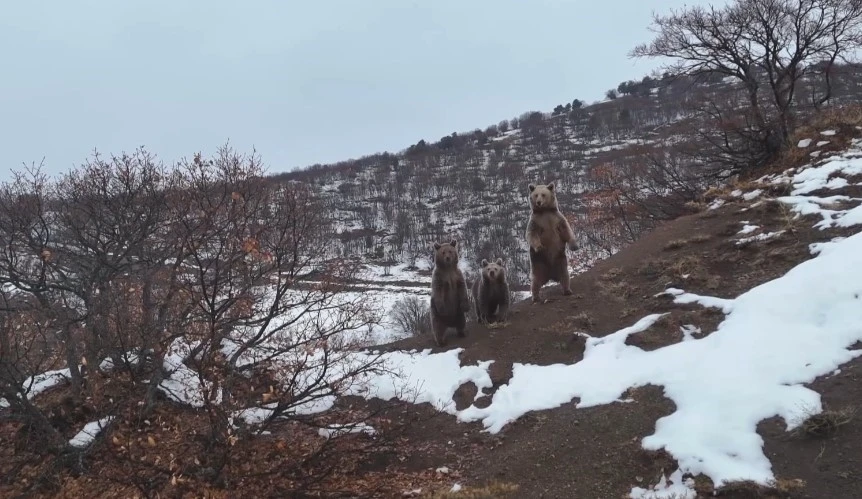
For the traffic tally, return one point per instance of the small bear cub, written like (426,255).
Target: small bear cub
(491,293)
(449,300)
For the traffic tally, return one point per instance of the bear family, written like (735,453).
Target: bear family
(548,234)
(449,301)
(491,293)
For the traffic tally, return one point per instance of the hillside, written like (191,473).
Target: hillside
(717,353)
(677,355)
(390,207)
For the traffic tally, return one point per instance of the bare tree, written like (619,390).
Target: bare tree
(769,47)
(196,279)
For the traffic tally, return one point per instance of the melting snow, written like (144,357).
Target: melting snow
(336,430)
(182,384)
(415,377)
(758,237)
(828,133)
(91,430)
(718,203)
(673,487)
(688,331)
(748,196)
(804,143)
(37,384)
(748,229)
(777,337)
(818,248)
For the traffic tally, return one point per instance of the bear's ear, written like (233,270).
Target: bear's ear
(532,187)
(436,246)
(484,263)
(551,186)
(453,243)
(500,262)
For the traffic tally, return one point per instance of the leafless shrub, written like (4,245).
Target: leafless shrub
(412,316)
(195,278)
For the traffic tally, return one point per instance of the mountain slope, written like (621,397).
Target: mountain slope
(751,242)
(471,186)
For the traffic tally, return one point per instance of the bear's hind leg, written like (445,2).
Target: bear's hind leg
(439,330)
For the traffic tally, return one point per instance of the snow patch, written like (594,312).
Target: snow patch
(673,487)
(34,385)
(337,430)
(804,143)
(759,237)
(748,196)
(819,248)
(91,430)
(684,298)
(748,229)
(688,331)
(182,384)
(777,337)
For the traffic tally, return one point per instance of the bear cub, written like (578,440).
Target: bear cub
(449,301)
(491,293)
(548,234)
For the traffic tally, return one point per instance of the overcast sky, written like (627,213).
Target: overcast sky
(305,82)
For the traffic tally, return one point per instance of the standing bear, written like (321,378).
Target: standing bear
(491,293)
(449,301)
(548,234)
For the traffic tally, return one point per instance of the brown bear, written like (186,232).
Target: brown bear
(548,234)
(491,293)
(449,301)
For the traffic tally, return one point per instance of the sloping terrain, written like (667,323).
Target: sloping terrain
(390,207)
(668,365)
(750,237)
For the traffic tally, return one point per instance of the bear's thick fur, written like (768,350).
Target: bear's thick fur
(491,293)
(449,300)
(548,234)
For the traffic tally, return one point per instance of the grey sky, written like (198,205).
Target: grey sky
(303,82)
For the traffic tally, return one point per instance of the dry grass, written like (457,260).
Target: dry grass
(700,238)
(612,274)
(620,290)
(747,185)
(583,320)
(628,312)
(491,491)
(825,423)
(497,325)
(653,268)
(789,221)
(679,243)
(690,265)
(846,116)
(714,193)
(696,206)
(675,244)
(744,489)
